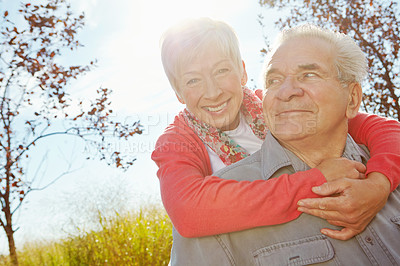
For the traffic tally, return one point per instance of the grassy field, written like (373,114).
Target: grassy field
(137,238)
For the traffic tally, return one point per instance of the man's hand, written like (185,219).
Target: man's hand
(350,203)
(335,168)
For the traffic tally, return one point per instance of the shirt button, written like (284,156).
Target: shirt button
(369,240)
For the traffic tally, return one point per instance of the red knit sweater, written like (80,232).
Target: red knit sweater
(200,204)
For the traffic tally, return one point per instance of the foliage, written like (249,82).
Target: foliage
(138,238)
(375,25)
(34,78)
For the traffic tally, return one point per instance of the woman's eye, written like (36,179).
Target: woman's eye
(222,70)
(192,82)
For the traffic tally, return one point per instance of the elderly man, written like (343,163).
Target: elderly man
(312,80)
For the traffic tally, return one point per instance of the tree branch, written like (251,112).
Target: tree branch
(386,77)
(66,132)
(46,186)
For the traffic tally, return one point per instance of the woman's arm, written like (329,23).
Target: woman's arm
(382,137)
(200,204)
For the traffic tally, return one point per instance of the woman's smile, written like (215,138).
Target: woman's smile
(217,108)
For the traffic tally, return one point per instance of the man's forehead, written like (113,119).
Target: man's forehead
(303,46)
(305,58)
(300,66)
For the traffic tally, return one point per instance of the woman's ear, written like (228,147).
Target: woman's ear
(355,98)
(179,98)
(243,81)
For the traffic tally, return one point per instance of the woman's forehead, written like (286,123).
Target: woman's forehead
(200,56)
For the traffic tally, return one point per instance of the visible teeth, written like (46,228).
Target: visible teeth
(216,109)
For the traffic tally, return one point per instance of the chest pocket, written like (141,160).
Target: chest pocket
(305,251)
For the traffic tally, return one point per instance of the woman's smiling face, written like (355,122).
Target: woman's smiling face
(210,86)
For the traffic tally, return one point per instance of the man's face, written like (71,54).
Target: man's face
(210,86)
(303,96)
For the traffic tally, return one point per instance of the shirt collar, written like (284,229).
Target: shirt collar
(275,157)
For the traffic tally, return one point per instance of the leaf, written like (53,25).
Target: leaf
(6,14)
(93,111)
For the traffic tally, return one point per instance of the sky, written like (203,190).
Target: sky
(123,35)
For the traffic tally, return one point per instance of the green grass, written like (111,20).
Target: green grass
(137,238)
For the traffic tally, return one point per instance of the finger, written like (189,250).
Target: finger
(327,215)
(331,188)
(334,218)
(343,234)
(360,167)
(328,203)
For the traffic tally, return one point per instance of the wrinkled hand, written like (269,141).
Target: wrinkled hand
(350,203)
(335,168)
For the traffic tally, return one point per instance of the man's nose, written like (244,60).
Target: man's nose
(290,88)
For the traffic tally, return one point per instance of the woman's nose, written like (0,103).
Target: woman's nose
(212,88)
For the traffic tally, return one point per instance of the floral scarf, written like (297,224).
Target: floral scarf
(225,147)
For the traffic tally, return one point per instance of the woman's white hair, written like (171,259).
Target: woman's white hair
(188,39)
(350,60)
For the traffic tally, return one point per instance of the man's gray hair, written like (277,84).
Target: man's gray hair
(350,60)
(188,39)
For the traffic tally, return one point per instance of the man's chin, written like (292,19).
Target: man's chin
(286,134)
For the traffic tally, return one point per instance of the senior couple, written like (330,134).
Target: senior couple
(284,184)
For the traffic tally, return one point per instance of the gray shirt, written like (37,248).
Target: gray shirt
(298,242)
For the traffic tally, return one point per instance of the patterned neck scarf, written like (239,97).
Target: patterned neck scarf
(225,147)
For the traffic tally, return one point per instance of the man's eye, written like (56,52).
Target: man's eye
(272,81)
(310,75)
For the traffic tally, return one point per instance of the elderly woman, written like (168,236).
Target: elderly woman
(223,123)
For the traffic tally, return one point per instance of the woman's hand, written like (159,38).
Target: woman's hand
(336,168)
(350,203)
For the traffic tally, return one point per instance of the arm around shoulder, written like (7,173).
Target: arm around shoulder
(382,137)
(201,204)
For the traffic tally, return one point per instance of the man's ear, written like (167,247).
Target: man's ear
(244,75)
(179,98)
(355,98)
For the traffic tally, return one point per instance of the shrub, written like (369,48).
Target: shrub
(137,238)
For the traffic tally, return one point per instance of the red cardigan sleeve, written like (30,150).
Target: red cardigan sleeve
(382,137)
(200,204)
